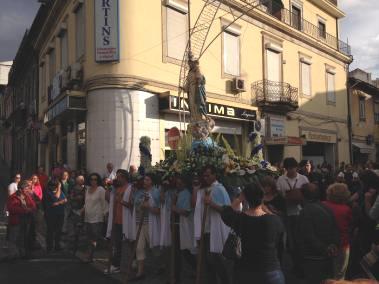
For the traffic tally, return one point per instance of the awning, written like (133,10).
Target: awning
(364,148)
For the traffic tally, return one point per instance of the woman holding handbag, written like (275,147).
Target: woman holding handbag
(260,234)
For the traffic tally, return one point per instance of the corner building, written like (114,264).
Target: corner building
(109,73)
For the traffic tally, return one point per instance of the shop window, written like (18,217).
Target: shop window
(330,82)
(376,112)
(80,31)
(321,29)
(176,29)
(305,78)
(231,53)
(362,108)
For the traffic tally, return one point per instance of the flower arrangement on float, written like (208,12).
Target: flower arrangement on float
(234,170)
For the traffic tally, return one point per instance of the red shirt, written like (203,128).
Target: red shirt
(43,179)
(17,209)
(343,215)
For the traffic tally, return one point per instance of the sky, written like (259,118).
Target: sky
(360,27)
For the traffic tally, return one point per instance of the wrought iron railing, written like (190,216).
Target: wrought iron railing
(275,94)
(286,16)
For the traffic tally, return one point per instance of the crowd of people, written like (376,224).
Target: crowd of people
(325,221)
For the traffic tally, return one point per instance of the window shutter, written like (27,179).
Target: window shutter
(176,33)
(64,51)
(231,54)
(305,79)
(331,88)
(273,65)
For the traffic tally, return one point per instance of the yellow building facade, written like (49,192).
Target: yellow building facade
(97,100)
(364,97)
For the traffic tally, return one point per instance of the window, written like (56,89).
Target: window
(321,29)
(231,53)
(362,108)
(376,112)
(43,82)
(177,26)
(296,17)
(274,60)
(80,31)
(64,49)
(330,82)
(305,79)
(51,65)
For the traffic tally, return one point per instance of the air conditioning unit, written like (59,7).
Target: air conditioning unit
(76,73)
(238,85)
(65,79)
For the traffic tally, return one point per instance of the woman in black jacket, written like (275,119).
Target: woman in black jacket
(260,234)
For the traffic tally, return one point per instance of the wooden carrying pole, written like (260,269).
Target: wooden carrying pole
(134,249)
(110,252)
(201,252)
(173,246)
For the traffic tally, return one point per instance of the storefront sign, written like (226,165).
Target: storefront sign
(277,126)
(213,109)
(107,46)
(285,140)
(320,137)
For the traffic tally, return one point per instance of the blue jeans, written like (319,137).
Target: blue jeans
(272,277)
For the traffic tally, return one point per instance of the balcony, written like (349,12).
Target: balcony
(275,97)
(276,9)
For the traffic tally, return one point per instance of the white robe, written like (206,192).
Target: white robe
(110,216)
(154,227)
(219,232)
(165,218)
(186,230)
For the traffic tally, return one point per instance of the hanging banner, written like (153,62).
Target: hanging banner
(107,47)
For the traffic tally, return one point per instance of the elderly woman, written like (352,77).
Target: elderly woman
(260,234)
(338,196)
(21,207)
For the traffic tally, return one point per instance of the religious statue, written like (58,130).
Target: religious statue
(201,124)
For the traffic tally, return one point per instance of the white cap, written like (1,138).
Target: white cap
(341,175)
(355,175)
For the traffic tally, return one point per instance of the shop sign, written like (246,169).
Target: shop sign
(107,47)
(277,126)
(320,137)
(285,140)
(213,109)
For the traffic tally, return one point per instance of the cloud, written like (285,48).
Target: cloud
(360,27)
(15,17)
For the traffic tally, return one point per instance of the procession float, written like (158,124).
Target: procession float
(196,146)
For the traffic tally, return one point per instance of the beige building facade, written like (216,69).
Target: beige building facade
(109,74)
(364,106)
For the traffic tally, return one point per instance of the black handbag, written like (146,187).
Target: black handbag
(232,247)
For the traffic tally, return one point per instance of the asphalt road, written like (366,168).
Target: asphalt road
(51,269)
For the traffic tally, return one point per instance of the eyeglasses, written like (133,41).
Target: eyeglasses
(95,179)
